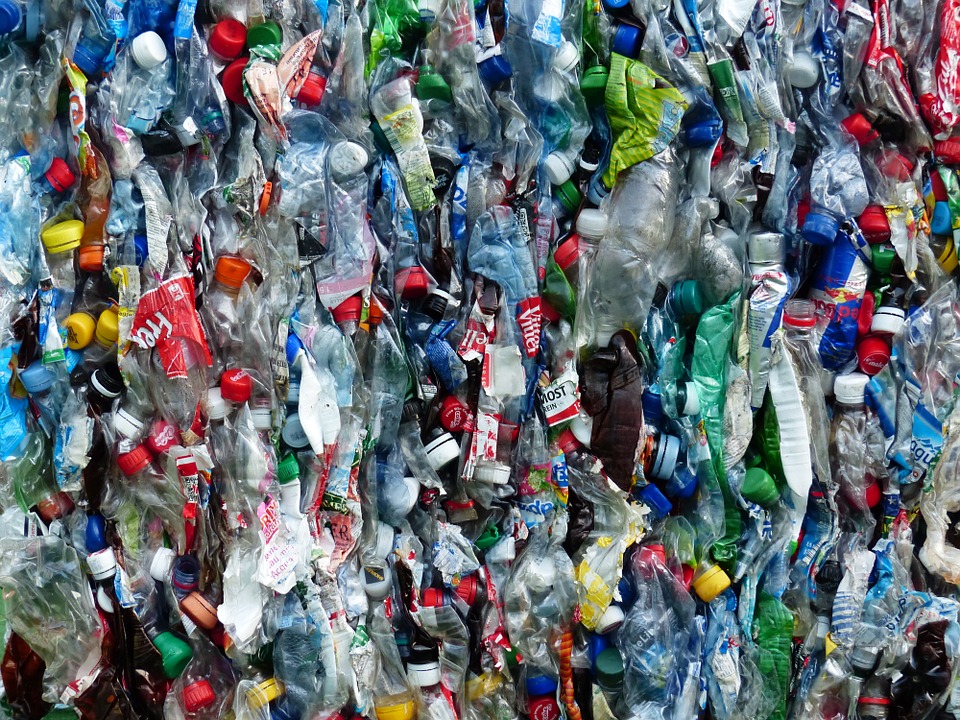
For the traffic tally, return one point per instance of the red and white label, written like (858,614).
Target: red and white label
(480,330)
(167,320)
(561,399)
(529,320)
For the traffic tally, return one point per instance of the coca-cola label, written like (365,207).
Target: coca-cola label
(480,329)
(529,320)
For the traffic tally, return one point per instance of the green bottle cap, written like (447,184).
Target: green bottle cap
(687,297)
(569,196)
(883,256)
(488,538)
(593,85)
(267,33)
(289,469)
(175,652)
(432,86)
(759,487)
(379,139)
(610,669)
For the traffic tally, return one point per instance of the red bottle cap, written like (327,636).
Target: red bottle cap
(567,252)
(873,354)
(467,589)
(198,695)
(227,39)
(894,165)
(543,708)
(549,313)
(232,81)
(236,385)
(411,283)
(163,436)
(432,597)
(349,310)
(874,224)
(658,551)
(55,507)
(861,129)
(311,92)
(568,442)
(937,187)
(874,493)
(865,317)
(947,151)
(130,463)
(688,573)
(60,176)
(455,416)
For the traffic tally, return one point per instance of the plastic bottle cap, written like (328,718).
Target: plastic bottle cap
(161,566)
(882,257)
(95,534)
(804,70)
(569,196)
(947,151)
(377,580)
(704,133)
(454,415)
(558,168)
(228,39)
(433,597)
(874,494)
(347,160)
(765,247)
(36,378)
(567,442)
(591,223)
(106,383)
(396,711)
(860,128)
(423,672)
(820,228)
(349,310)
(127,424)
(102,564)
(10,16)
(262,418)
(941,222)
(80,329)
(610,620)
(236,385)
(492,472)
(432,86)
(90,257)
(264,693)
(266,33)
(874,224)
(175,653)
(293,434)
(691,399)
(567,57)
(62,237)
(567,253)
(849,389)
(132,462)
(55,507)
(668,451)
(232,271)
(887,320)
(411,283)
(873,354)
(59,174)
(495,69)
(196,607)
(593,84)
(612,6)
(232,81)
(89,56)
(216,407)
(597,191)
(800,313)
(108,327)
(383,545)
(288,469)
(467,589)
(627,41)
(163,436)
(759,487)
(609,667)
(541,685)
(148,50)
(442,451)
(655,500)
(687,297)
(198,695)
(543,708)
(710,583)
(312,90)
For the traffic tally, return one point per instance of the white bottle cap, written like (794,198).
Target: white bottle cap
(668,450)
(290,498)
(691,405)
(567,57)
(611,619)
(384,541)
(849,389)
(262,418)
(293,434)
(102,564)
(495,473)
(377,579)
(413,495)
(804,71)
(161,566)
(558,167)
(428,10)
(887,320)
(216,405)
(347,160)
(764,247)
(424,674)
(591,224)
(442,451)
(148,50)
(127,424)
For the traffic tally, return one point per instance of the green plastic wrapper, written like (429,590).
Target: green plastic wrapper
(645,113)
(773,632)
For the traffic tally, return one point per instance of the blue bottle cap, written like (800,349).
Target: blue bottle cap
(538,685)
(88,57)
(651,496)
(36,378)
(10,16)
(682,485)
(941,223)
(598,643)
(140,248)
(96,536)
(627,592)
(495,69)
(704,133)
(614,6)
(294,345)
(820,228)
(652,406)
(627,41)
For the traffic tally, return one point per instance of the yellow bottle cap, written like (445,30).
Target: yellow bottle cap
(108,327)
(711,583)
(397,711)
(62,237)
(80,329)
(828,644)
(264,693)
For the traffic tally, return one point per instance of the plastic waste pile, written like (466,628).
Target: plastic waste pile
(479,360)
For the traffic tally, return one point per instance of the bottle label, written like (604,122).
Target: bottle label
(529,320)
(280,556)
(560,399)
